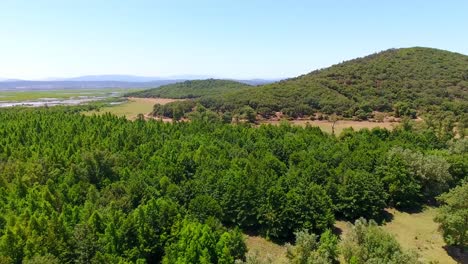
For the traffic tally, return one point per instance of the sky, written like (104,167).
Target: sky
(240,39)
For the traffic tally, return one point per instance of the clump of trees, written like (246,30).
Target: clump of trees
(175,110)
(308,248)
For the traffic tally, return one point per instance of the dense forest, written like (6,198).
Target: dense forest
(401,82)
(102,189)
(192,89)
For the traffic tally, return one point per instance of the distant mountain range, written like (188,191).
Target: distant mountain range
(106,81)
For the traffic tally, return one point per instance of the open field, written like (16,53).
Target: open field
(416,231)
(340,125)
(132,107)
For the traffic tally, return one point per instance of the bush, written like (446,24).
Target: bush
(368,243)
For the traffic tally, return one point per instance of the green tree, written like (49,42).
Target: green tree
(196,243)
(204,206)
(307,250)
(361,195)
(453,216)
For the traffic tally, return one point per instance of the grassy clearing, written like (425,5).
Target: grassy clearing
(418,232)
(415,231)
(59,94)
(132,107)
(326,126)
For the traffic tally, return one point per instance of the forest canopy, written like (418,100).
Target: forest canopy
(192,89)
(104,189)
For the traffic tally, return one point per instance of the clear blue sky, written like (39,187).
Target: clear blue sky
(222,38)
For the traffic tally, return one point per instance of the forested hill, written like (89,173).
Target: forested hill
(406,81)
(192,89)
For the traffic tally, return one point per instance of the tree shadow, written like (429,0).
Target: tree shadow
(411,210)
(337,231)
(253,232)
(384,217)
(457,253)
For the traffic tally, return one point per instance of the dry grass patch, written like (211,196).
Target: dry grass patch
(418,232)
(133,106)
(266,251)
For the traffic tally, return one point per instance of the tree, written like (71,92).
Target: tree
(361,195)
(403,109)
(47,259)
(249,114)
(333,118)
(204,206)
(453,216)
(198,243)
(11,246)
(86,243)
(368,243)
(195,243)
(307,250)
(230,247)
(403,188)
(430,171)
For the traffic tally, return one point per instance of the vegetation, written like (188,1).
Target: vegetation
(453,216)
(192,89)
(103,189)
(308,249)
(405,82)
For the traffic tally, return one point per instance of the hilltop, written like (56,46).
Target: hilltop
(192,89)
(405,81)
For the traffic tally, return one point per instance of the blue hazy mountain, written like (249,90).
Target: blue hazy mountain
(111,77)
(106,81)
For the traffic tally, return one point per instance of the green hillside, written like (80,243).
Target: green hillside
(405,80)
(192,89)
